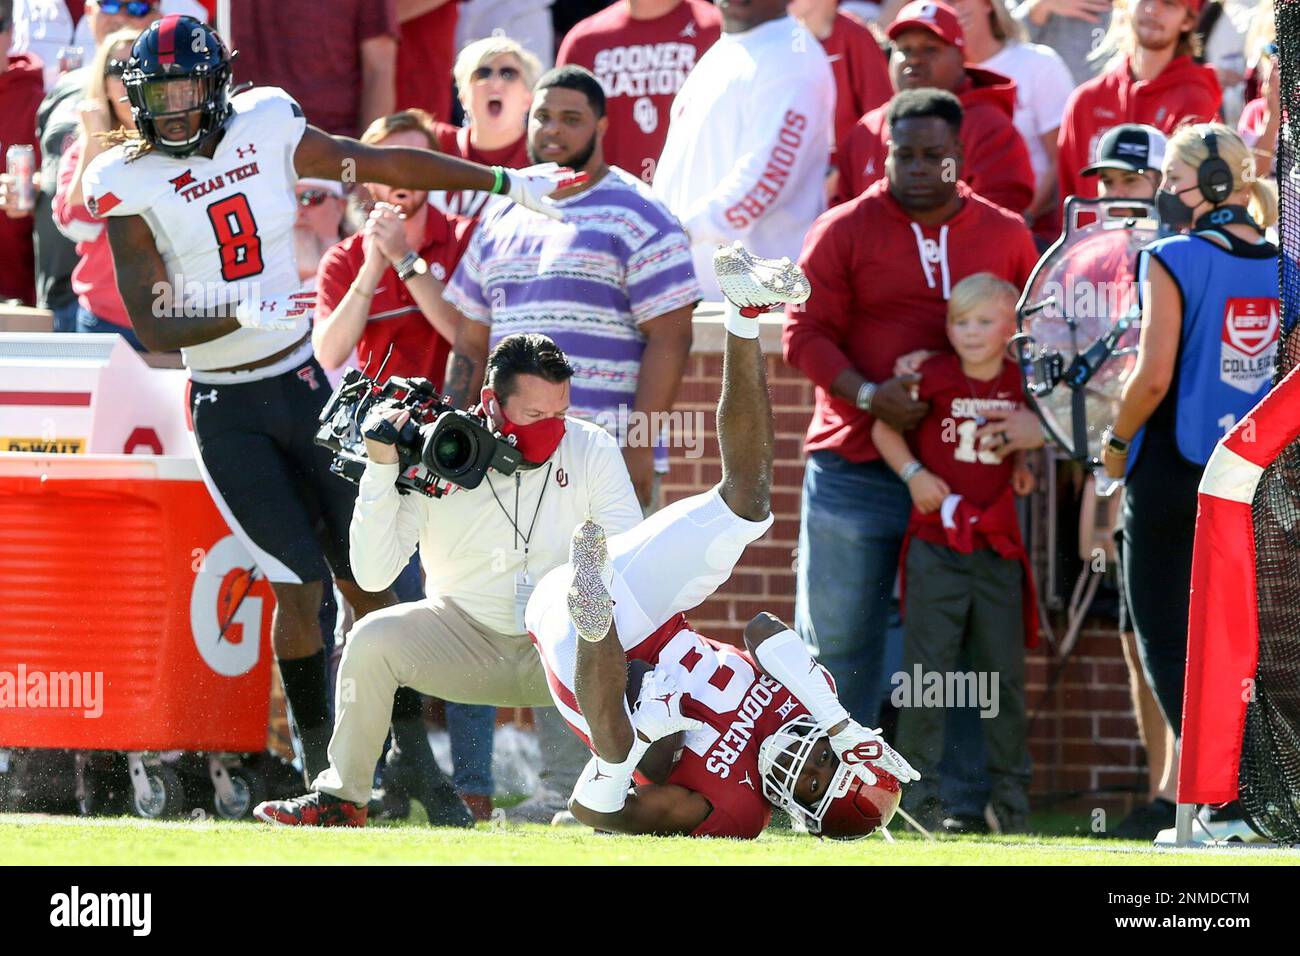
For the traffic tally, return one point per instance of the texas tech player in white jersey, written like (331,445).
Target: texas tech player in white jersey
(200,207)
(224,225)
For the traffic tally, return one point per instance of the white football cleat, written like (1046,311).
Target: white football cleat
(591,607)
(756,284)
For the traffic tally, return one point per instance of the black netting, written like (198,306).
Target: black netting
(1270,762)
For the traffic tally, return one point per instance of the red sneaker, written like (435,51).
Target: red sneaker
(314,809)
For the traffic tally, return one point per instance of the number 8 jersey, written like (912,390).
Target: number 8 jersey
(224,226)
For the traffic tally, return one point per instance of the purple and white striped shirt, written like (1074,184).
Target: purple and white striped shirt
(618,259)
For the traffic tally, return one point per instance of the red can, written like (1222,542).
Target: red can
(20,164)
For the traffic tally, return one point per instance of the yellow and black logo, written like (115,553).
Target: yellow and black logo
(45,446)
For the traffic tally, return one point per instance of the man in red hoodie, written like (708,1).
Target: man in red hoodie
(1153,80)
(22,87)
(929,51)
(871,303)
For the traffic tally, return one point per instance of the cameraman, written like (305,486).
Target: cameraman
(483,549)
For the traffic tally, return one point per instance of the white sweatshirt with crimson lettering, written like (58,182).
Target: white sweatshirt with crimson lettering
(749,144)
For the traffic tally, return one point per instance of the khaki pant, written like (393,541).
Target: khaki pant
(436,648)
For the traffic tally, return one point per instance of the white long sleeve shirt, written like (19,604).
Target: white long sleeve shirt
(748,145)
(471,551)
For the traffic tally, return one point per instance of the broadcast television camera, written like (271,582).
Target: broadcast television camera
(439,444)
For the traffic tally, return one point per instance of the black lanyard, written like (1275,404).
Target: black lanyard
(514,522)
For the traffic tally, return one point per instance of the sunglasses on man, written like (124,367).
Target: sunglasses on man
(508,74)
(312,197)
(132,8)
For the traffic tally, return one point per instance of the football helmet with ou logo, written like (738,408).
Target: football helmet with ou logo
(178,67)
(850,807)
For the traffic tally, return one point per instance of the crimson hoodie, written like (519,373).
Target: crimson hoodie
(861,72)
(996,163)
(873,302)
(1185,91)
(22,87)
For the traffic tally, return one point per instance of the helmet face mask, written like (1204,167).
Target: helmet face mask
(178,67)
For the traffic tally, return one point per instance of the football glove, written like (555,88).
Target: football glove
(529,187)
(862,749)
(658,710)
(281,314)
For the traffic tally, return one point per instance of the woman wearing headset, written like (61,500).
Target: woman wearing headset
(1210,323)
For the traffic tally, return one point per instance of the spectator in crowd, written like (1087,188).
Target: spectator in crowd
(966,584)
(1225,27)
(494,77)
(860,67)
(1210,319)
(382,288)
(872,303)
(1151,78)
(528,21)
(1261,120)
(42,28)
(103,108)
(377,290)
(641,51)
(21,91)
(1127,162)
(338,59)
(57,125)
(1070,27)
(613,285)
(929,51)
(321,205)
(426,52)
(749,142)
(88,37)
(996,41)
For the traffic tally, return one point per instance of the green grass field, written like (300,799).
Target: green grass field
(42,840)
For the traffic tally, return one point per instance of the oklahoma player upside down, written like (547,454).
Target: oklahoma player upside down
(715,735)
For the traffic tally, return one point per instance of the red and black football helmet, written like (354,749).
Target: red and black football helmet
(178,67)
(850,807)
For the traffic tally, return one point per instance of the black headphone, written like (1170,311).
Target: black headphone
(1214,177)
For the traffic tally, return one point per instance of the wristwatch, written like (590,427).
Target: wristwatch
(865,394)
(1115,444)
(411,265)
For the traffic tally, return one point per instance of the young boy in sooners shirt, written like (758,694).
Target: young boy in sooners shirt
(964,570)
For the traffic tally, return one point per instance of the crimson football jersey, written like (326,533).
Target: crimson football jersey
(740,707)
(945,440)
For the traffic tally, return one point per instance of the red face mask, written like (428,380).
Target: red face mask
(536,441)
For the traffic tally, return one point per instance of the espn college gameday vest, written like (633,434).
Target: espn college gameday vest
(1231,324)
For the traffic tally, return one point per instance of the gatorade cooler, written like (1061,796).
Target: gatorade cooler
(133,619)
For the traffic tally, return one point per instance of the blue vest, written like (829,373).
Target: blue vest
(1228,348)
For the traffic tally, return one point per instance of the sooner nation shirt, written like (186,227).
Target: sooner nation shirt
(641,64)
